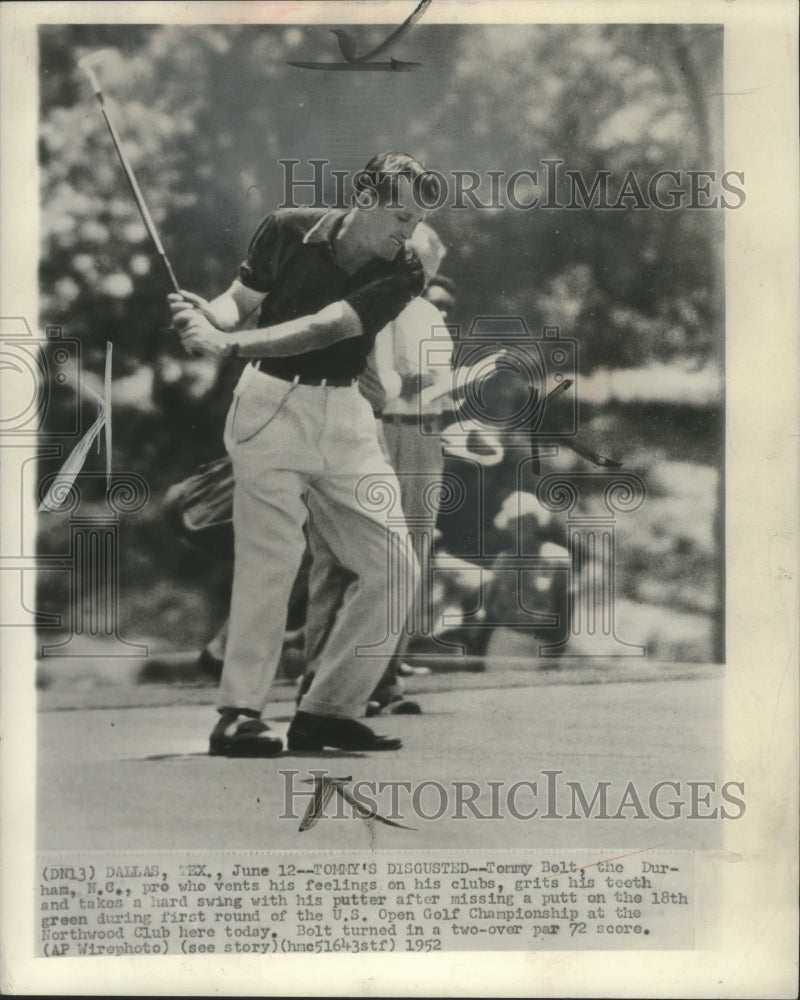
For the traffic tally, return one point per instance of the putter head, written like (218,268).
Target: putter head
(91,61)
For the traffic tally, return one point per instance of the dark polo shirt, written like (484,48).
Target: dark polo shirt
(291,258)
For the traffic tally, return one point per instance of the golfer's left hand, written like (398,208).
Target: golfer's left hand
(200,337)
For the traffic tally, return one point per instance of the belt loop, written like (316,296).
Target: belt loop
(323,383)
(296,380)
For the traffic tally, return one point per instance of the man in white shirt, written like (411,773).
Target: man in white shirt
(407,382)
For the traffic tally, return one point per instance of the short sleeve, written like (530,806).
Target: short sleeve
(419,322)
(257,270)
(383,299)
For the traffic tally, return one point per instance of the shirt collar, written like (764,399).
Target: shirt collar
(324,230)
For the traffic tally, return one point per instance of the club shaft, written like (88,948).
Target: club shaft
(137,194)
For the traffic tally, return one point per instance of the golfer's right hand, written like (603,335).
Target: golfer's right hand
(185,305)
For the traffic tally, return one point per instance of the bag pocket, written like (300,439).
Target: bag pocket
(205,499)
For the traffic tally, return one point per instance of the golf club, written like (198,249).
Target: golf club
(88,64)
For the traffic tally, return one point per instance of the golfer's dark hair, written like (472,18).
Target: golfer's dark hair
(382,174)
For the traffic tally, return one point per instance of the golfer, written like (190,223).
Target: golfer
(301,437)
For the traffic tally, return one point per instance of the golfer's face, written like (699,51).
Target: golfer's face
(390,225)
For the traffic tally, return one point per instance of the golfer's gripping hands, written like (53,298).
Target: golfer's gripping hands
(195,321)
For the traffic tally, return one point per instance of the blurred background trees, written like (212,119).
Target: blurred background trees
(207,112)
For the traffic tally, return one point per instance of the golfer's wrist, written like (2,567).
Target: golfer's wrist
(250,344)
(245,345)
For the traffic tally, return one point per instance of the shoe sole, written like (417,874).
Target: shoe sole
(404,708)
(315,747)
(253,749)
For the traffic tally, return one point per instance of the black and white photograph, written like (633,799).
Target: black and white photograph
(399,498)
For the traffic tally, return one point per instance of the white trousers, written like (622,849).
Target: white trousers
(311,452)
(418,462)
